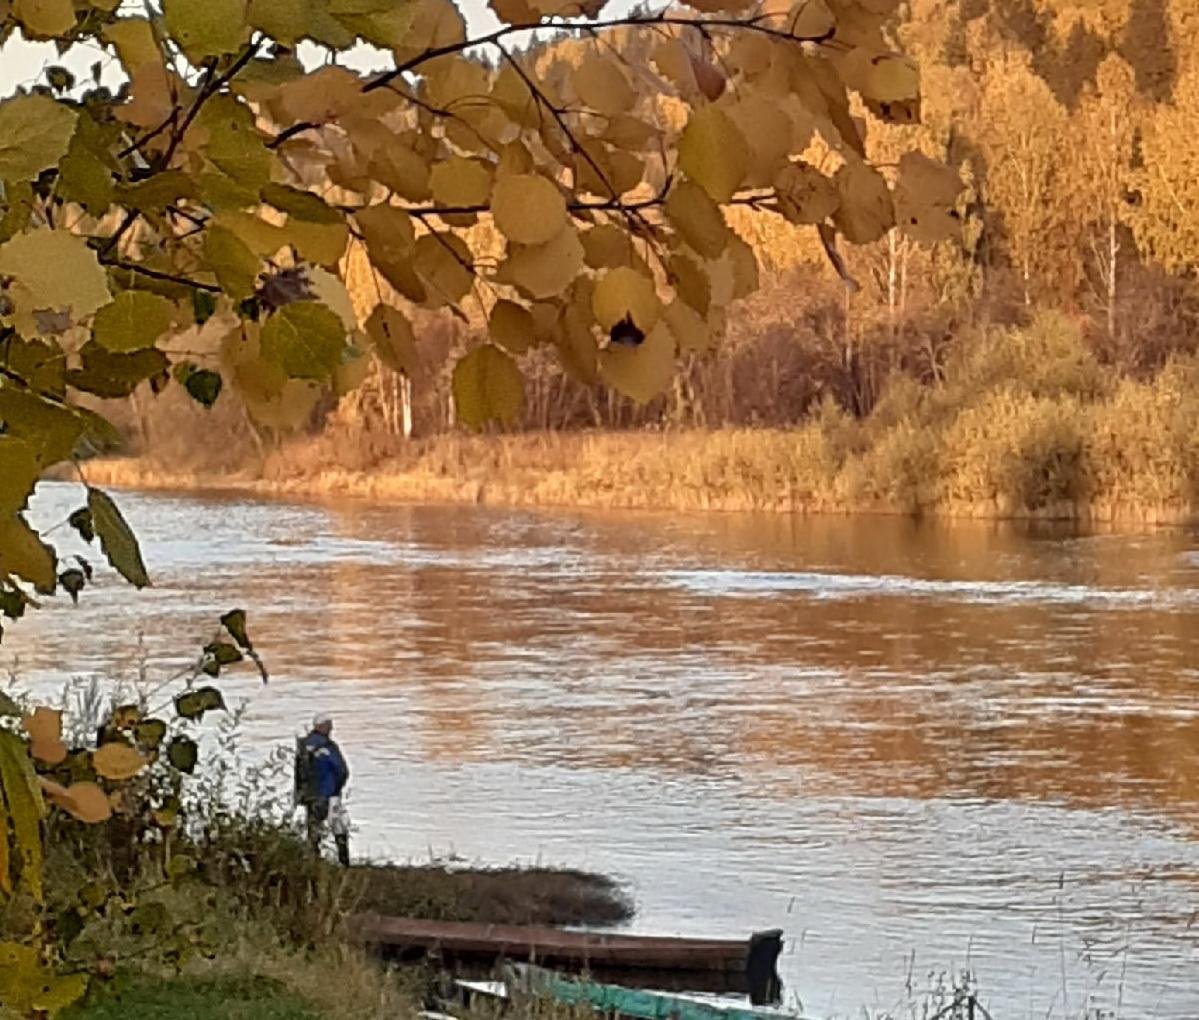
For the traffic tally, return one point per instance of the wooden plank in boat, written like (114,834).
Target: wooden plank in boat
(546,944)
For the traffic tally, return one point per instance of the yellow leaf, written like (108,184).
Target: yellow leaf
(769,139)
(744,267)
(402,169)
(290,408)
(750,53)
(320,97)
(713,152)
(607,246)
(35,133)
(690,328)
(528,209)
(152,96)
(925,198)
(673,62)
(52,271)
(698,220)
(330,291)
(487,387)
(690,282)
(640,372)
(19,472)
(866,212)
(928,182)
(622,295)
(322,244)
(288,23)
(206,28)
(85,801)
(805,195)
(810,19)
(443,263)
(135,319)
(891,78)
(459,181)
(601,85)
(117,761)
(44,727)
(511,326)
(134,41)
(435,23)
(387,230)
(25,812)
(601,169)
(392,338)
(45,19)
(543,270)
(262,238)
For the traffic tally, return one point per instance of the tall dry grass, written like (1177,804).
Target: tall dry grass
(1024,422)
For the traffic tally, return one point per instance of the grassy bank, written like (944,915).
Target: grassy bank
(1024,423)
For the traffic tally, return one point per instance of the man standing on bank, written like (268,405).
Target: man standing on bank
(321,776)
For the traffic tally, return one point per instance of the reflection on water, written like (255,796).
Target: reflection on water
(976,744)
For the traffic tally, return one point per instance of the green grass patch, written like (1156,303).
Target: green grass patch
(225,998)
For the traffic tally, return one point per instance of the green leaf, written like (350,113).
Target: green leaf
(115,375)
(19,472)
(72,582)
(35,133)
(85,173)
(18,208)
(202,384)
(81,521)
(132,321)
(8,707)
(25,808)
(23,553)
(182,753)
(182,865)
(12,603)
(487,387)
(155,193)
(235,265)
(223,652)
(305,339)
(49,427)
(206,28)
(203,306)
(234,622)
(149,732)
(303,205)
(193,704)
(117,539)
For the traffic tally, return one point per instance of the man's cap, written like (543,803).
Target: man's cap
(321,719)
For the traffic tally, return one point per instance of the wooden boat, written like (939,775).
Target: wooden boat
(524,980)
(751,961)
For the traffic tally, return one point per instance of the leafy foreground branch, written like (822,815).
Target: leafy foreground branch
(195,226)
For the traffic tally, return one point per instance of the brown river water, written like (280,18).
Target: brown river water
(913,746)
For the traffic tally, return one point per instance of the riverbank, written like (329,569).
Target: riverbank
(1019,424)
(809,470)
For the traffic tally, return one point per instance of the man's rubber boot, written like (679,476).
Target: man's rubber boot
(343,850)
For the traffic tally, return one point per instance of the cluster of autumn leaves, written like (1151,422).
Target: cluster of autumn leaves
(203,217)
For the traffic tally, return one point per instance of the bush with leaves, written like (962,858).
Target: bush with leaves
(121,820)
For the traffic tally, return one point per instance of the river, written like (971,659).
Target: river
(916,747)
